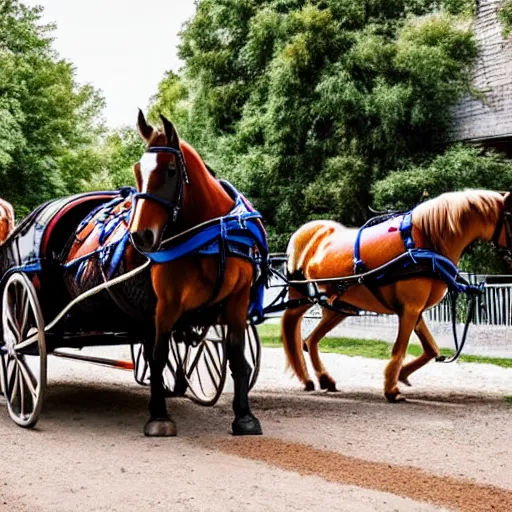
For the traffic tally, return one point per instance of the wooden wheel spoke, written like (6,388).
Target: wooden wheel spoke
(12,384)
(211,373)
(25,312)
(251,347)
(141,360)
(12,324)
(28,378)
(215,365)
(26,343)
(195,362)
(175,356)
(201,383)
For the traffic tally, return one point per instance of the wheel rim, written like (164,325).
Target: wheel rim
(23,351)
(205,367)
(252,352)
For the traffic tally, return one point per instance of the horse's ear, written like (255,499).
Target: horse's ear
(145,130)
(173,140)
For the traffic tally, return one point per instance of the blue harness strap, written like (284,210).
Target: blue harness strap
(108,223)
(240,233)
(438,266)
(359,266)
(240,229)
(406,231)
(237,234)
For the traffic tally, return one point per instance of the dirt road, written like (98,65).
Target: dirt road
(448,448)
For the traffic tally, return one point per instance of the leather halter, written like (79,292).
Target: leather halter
(170,199)
(504,221)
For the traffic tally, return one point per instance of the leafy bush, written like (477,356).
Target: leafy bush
(505,17)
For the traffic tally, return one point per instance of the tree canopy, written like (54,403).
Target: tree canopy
(48,123)
(306,105)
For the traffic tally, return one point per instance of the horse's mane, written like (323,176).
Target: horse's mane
(446,217)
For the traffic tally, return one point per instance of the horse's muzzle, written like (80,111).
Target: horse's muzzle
(145,240)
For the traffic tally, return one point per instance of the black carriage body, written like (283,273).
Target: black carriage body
(34,248)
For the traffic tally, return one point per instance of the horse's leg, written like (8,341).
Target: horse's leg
(292,342)
(408,319)
(329,321)
(157,353)
(430,350)
(245,423)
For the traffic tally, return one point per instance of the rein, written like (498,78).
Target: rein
(172,204)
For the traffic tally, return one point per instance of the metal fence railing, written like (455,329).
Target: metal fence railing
(494,307)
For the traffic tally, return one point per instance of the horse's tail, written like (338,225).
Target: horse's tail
(6,219)
(292,340)
(301,248)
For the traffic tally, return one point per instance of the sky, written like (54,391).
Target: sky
(122,47)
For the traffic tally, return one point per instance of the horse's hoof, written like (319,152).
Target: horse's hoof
(246,426)
(310,386)
(440,359)
(327,383)
(394,398)
(160,428)
(405,380)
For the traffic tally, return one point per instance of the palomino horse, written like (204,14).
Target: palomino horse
(320,249)
(6,219)
(176,194)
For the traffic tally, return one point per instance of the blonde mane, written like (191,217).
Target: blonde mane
(447,216)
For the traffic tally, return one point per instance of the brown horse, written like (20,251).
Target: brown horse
(320,249)
(6,219)
(176,193)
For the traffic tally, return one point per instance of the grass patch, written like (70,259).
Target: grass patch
(508,399)
(270,335)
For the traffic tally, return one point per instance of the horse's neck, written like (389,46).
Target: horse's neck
(477,230)
(204,198)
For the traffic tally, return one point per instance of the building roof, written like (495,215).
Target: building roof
(488,117)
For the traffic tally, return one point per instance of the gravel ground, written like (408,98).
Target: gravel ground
(447,448)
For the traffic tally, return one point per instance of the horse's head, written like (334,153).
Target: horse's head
(502,238)
(160,175)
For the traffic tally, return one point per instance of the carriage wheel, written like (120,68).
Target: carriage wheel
(202,368)
(174,381)
(23,351)
(205,365)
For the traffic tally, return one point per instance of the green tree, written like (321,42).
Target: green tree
(114,159)
(305,104)
(47,120)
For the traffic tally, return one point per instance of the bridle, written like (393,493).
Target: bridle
(170,197)
(504,221)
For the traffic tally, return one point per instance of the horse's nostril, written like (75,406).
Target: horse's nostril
(148,237)
(143,239)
